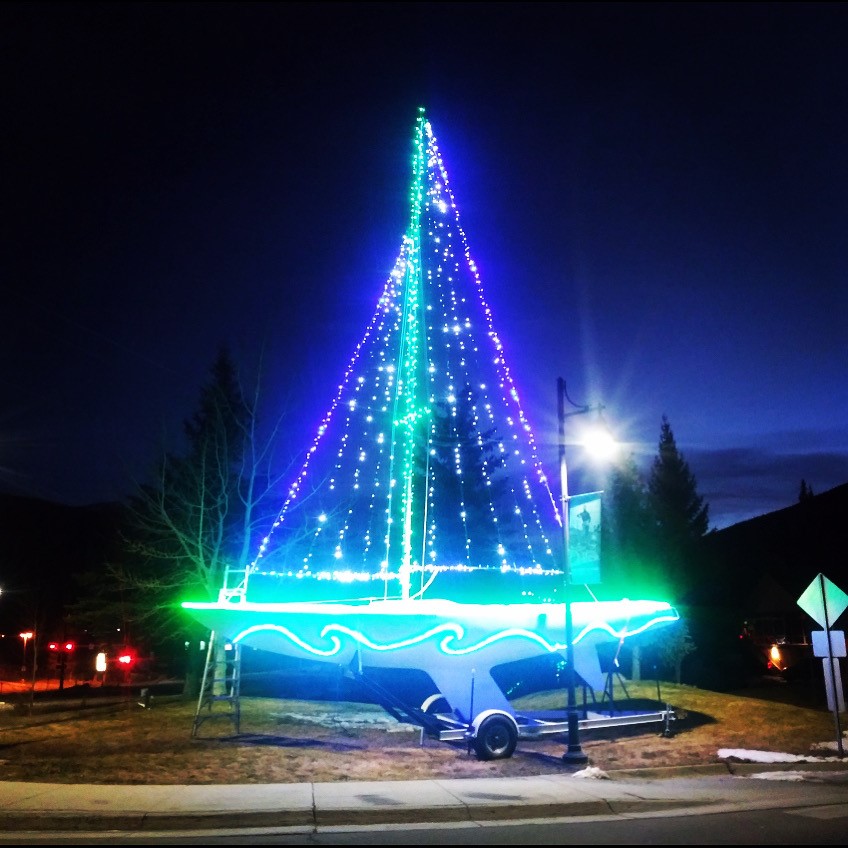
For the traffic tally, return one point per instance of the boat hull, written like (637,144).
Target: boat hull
(456,644)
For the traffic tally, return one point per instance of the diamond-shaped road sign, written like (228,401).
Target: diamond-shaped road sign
(824,601)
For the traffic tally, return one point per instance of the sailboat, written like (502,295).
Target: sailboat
(421,531)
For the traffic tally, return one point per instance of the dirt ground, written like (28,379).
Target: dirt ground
(289,741)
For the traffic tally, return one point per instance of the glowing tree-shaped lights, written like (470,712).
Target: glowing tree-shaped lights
(423,473)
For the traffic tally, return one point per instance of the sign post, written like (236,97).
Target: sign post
(832,652)
(824,601)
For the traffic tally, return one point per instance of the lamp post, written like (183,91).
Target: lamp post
(26,636)
(574,754)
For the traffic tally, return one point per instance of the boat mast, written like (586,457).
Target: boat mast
(409,410)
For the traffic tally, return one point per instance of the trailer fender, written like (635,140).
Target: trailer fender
(481,717)
(436,704)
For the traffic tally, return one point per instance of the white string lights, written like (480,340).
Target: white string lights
(424,464)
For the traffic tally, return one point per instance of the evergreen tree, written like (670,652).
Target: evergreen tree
(462,467)
(202,514)
(627,546)
(805,493)
(680,516)
(189,525)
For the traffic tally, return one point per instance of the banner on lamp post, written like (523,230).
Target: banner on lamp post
(584,537)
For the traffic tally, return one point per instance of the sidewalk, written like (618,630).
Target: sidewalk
(47,807)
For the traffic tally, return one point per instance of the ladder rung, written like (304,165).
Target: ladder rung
(219,674)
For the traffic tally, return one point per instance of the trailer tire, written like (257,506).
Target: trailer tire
(496,739)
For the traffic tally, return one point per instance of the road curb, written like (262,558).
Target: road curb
(148,822)
(741,769)
(385,811)
(154,822)
(661,772)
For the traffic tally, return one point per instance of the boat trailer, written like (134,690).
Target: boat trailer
(493,734)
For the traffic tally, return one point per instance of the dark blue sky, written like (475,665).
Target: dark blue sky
(656,196)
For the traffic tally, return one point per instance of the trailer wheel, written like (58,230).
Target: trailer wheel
(496,739)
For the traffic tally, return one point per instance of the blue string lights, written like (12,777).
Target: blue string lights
(425,462)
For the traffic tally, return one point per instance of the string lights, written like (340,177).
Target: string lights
(425,463)
(420,524)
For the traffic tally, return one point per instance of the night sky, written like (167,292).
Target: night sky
(656,196)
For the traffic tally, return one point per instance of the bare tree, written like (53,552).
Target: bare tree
(204,512)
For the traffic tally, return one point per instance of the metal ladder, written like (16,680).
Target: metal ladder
(220,688)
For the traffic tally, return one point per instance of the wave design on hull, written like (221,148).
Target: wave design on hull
(447,634)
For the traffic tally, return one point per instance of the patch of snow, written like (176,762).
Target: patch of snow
(779,775)
(829,746)
(592,773)
(377,719)
(770,757)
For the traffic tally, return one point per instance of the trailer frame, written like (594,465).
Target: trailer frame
(494,733)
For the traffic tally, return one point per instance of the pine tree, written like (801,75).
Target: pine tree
(681,517)
(201,513)
(189,525)
(464,459)
(805,493)
(627,533)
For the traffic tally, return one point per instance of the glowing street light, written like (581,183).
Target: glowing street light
(600,442)
(26,636)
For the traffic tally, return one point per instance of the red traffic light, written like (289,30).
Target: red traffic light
(127,658)
(53,646)
(69,646)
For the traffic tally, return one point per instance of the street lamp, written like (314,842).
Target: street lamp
(26,636)
(574,754)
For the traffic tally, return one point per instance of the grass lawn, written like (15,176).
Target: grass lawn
(290,741)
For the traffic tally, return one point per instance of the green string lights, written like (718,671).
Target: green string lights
(418,531)
(425,463)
